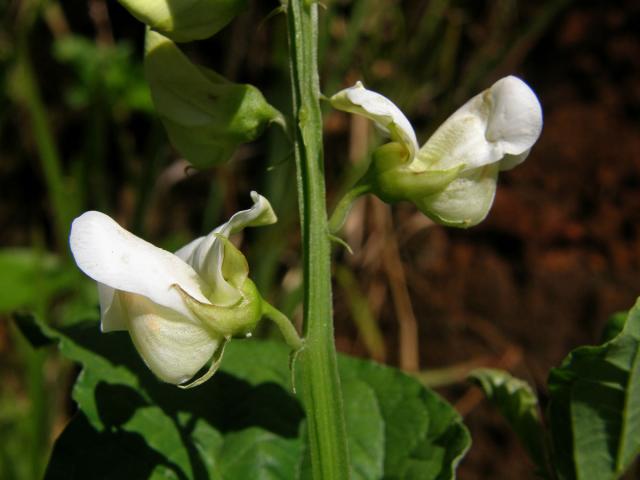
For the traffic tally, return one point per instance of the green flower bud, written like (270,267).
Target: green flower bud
(205,115)
(185,20)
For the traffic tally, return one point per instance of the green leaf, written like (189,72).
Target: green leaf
(276,456)
(82,452)
(205,115)
(424,438)
(243,423)
(595,406)
(185,20)
(614,326)
(518,404)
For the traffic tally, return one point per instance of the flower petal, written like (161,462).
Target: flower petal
(112,316)
(510,161)
(110,255)
(206,254)
(387,116)
(466,201)
(502,122)
(515,122)
(173,347)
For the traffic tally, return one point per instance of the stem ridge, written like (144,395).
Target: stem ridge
(320,382)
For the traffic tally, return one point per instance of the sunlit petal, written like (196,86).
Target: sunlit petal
(173,347)
(205,254)
(387,116)
(110,255)
(500,124)
(515,121)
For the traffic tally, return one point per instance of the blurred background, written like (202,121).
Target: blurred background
(558,254)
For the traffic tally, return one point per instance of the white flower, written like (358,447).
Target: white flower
(180,309)
(452,178)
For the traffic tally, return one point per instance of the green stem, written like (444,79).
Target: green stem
(343,207)
(320,382)
(287,329)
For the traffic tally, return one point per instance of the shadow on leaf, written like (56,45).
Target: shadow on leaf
(82,452)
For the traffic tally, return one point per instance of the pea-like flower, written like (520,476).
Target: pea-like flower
(452,177)
(180,309)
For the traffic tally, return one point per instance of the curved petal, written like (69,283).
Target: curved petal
(110,255)
(458,142)
(515,121)
(206,254)
(466,201)
(510,161)
(381,110)
(112,316)
(502,122)
(174,348)
(261,213)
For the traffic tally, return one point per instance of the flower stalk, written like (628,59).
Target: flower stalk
(343,207)
(320,382)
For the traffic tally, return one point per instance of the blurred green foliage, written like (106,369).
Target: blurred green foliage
(109,73)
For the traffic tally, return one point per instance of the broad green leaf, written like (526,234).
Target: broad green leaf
(205,115)
(81,452)
(363,415)
(245,422)
(365,425)
(518,404)
(595,406)
(185,20)
(419,425)
(276,456)
(614,326)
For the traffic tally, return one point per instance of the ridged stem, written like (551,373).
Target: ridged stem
(320,382)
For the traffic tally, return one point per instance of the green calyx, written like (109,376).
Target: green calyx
(392,180)
(185,20)
(206,116)
(237,320)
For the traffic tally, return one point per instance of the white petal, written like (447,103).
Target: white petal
(258,215)
(515,122)
(112,316)
(173,347)
(387,116)
(510,161)
(460,140)
(110,255)
(500,124)
(466,201)
(205,254)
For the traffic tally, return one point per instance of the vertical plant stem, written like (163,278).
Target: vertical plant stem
(320,382)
